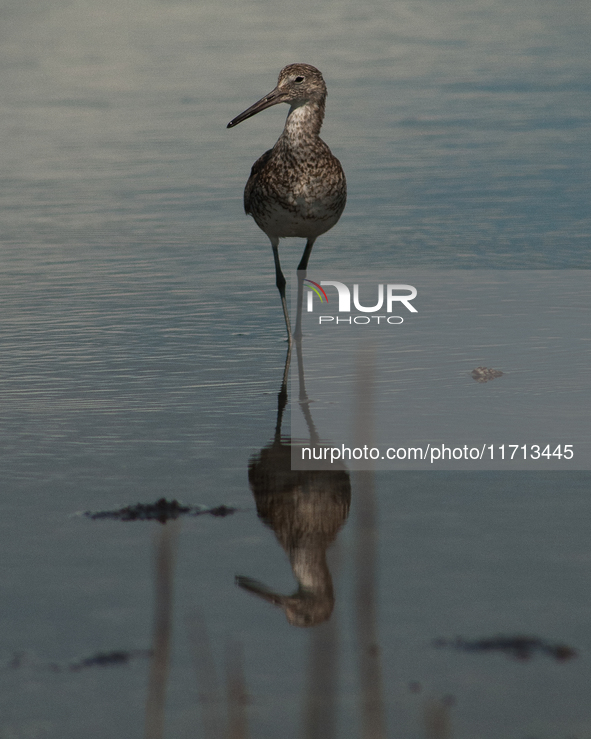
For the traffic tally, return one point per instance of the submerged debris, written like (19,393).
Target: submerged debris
(484,374)
(162,510)
(100,659)
(108,659)
(518,647)
(18,659)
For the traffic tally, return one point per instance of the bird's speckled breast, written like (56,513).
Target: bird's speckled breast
(298,188)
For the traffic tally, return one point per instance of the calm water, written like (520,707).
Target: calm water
(142,350)
(423,366)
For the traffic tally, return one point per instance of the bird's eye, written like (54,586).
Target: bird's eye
(299,79)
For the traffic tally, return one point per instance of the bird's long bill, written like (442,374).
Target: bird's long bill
(273,98)
(257,588)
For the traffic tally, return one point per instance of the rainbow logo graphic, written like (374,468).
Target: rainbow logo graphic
(318,290)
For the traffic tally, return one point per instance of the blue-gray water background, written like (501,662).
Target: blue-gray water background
(142,345)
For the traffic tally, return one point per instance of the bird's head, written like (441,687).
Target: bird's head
(298,84)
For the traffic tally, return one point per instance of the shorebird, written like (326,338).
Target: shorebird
(298,187)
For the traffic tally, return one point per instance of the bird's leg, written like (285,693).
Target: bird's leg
(302,271)
(280,282)
(303,265)
(298,329)
(282,396)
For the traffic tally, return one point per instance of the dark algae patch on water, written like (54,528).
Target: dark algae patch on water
(162,510)
(518,647)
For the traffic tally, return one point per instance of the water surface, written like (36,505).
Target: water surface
(142,350)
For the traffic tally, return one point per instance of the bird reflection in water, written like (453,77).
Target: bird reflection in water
(305,509)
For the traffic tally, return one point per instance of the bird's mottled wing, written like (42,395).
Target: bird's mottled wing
(257,167)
